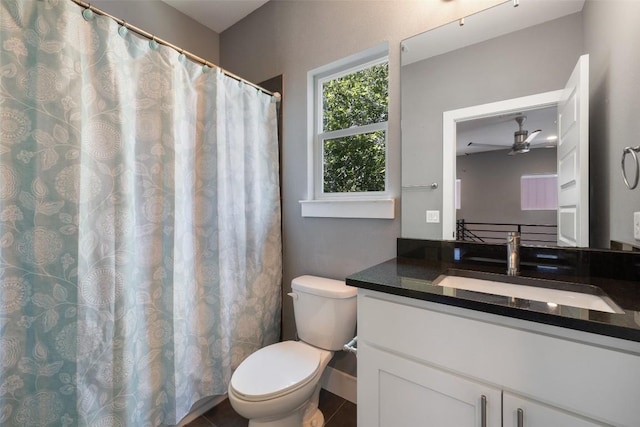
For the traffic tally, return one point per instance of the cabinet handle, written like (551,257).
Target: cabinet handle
(483,411)
(520,415)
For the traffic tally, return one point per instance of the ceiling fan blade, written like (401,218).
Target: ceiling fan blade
(532,135)
(543,145)
(476,144)
(516,150)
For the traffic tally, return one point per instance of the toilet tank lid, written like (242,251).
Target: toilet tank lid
(324,287)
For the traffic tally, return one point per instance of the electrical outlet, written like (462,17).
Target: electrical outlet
(636,225)
(433,216)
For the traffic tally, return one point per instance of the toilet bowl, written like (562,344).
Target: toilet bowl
(279,380)
(279,385)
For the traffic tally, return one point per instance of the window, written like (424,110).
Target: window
(352,132)
(348,137)
(539,192)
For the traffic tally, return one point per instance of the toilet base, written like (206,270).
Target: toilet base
(314,419)
(310,417)
(293,420)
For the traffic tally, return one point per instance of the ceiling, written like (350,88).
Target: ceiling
(217,15)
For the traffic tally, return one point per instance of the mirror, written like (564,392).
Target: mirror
(506,53)
(527,168)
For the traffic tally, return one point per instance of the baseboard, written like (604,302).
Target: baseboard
(200,408)
(340,384)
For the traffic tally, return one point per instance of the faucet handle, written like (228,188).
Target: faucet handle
(513,253)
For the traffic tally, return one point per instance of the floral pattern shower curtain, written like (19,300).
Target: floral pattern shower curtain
(140,247)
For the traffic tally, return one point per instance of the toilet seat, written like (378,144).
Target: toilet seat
(275,370)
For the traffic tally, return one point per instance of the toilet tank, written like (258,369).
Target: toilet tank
(324,310)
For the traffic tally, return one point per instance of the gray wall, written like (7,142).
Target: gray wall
(167,23)
(292,38)
(611,35)
(495,197)
(530,61)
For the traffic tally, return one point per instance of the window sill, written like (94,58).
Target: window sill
(349,208)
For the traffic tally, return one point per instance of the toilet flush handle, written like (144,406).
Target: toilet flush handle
(293,295)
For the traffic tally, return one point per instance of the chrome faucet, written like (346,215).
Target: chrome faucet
(513,253)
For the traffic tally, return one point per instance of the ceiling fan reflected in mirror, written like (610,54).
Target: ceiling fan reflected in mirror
(521,139)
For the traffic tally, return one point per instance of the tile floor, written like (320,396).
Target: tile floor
(337,413)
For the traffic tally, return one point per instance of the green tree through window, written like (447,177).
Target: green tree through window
(354,117)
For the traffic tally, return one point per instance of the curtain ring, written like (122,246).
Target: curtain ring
(88,14)
(632,151)
(123,30)
(153,44)
(182,56)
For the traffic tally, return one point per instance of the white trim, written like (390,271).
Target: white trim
(343,205)
(349,208)
(320,136)
(311,139)
(354,130)
(449,121)
(350,61)
(340,383)
(340,71)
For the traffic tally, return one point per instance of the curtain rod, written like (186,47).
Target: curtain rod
(189,55)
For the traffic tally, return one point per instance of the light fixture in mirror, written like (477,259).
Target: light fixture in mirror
(507,53)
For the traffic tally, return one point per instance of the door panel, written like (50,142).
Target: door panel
(400,392)
(573,158)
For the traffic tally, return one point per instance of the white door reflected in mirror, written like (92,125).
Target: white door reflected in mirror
(572,168)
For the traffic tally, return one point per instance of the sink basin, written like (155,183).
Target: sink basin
(552,292)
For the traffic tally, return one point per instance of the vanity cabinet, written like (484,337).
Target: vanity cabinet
(402,392)
(427,364)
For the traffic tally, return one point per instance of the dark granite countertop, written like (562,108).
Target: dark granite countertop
(413,278)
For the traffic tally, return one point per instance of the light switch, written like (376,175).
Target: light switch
(433,216)
(636,225)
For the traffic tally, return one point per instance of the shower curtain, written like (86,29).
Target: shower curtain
(140,247)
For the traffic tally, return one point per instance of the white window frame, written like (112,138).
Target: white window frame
(378,204)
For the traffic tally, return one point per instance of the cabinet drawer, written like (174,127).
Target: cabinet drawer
(593,381)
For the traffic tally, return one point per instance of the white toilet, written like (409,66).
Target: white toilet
(278,385)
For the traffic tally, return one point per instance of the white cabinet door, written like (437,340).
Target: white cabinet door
(394,391)
(534,414)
